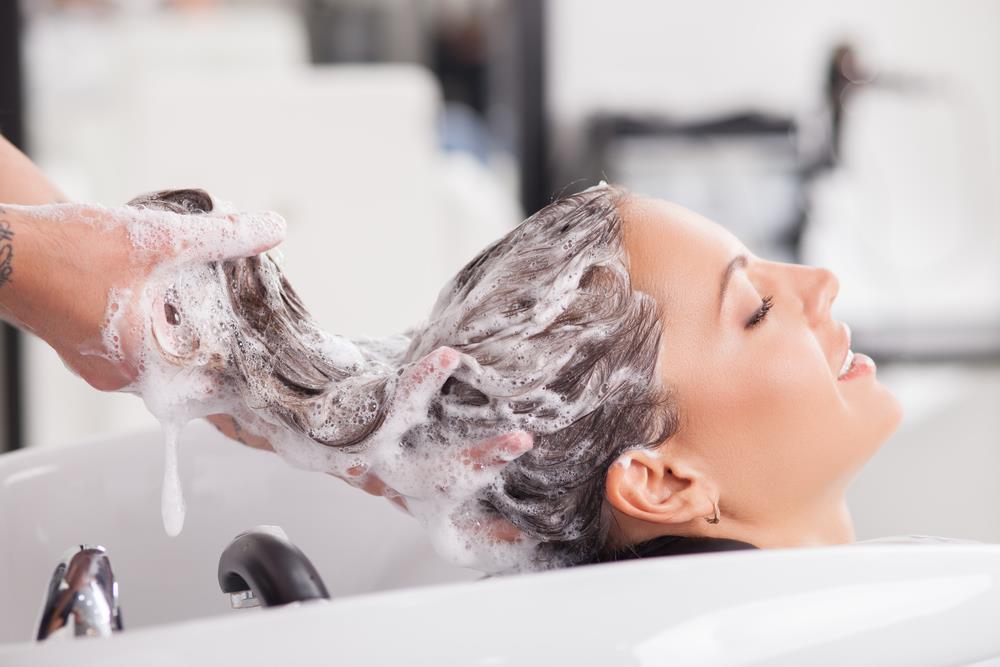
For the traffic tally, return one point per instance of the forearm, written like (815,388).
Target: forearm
(59,265)
(21,182)
(23,269)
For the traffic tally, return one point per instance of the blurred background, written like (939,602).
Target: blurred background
(399,137)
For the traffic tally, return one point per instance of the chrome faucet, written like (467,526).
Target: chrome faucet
(83,597)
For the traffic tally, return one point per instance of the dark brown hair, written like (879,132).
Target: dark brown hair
(556,342)
(549,312)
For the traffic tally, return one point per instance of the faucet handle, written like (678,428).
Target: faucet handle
(82,599)
(262,567)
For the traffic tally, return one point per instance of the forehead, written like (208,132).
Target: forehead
(675,255)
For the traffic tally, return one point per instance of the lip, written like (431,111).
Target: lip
(861,366)
(844,348)
(852,364)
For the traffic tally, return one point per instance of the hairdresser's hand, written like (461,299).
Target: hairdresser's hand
(496,451)
(418,384)
(67,271)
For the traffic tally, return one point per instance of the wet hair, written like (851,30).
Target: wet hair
(549,311)
(555,341)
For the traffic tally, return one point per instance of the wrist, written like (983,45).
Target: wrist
(56,287)
(31,269)
(15,234)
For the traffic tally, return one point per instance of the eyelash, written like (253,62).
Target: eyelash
(761,313)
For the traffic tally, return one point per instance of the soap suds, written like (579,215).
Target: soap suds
(230,337)
(191,333)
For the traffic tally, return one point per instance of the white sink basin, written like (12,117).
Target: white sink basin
(858,604)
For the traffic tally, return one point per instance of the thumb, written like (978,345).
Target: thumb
(498,450)
(421,381)
(214,238)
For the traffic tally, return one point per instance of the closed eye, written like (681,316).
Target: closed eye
(761,312)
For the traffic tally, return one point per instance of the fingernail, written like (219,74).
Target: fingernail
(358,470)
(514,444)
(448,358)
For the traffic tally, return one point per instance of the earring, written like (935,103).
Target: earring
(715,518)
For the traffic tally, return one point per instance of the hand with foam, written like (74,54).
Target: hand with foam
(85,267)
(418,384)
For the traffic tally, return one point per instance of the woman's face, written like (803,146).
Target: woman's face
(764,415)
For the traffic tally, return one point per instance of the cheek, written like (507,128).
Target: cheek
(772,412)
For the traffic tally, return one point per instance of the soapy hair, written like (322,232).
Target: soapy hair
(554,341)
(569,350)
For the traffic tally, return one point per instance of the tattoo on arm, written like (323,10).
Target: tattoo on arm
(6,250)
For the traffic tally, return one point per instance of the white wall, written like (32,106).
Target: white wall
(911,225)
(699,57)
(347,155)
(379,218)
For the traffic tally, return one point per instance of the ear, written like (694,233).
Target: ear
(654,487)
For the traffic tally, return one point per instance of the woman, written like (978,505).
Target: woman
(683,394)
(778,415)
(641,382)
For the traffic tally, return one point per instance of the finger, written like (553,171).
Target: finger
(421,381)
(359,477)
(373,485)
(228,426)
(498,450)
(493,529)
(213,238)
(396,499)
(502,530)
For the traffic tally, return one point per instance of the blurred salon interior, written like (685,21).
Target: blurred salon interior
(399,137)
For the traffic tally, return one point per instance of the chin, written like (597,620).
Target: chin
(890,407)
(884,413)
(874,405)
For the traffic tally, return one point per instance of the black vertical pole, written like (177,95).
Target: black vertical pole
(12,127)
(533,140)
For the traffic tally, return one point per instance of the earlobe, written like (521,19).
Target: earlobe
(644,485)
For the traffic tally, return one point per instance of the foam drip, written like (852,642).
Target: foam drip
(172,497)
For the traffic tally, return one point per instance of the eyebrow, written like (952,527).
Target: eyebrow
(738,262)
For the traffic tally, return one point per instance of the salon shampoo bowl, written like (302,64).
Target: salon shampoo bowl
(393,602)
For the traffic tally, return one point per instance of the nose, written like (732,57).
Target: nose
(819,291)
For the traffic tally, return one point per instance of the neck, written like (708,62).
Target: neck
(827,524)
(824,524)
